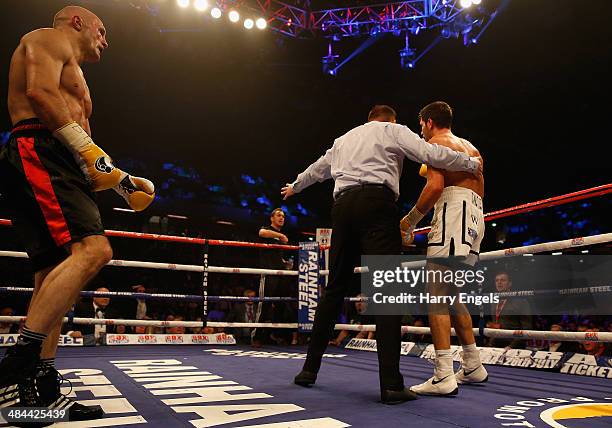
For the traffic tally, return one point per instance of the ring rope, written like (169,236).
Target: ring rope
(569,336)
(518,209)
(155,323)
(489,332)
(516,251)
(157,296)
(562,292)
(602,289)
(541,204)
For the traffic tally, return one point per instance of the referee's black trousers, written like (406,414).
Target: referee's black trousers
(365,221)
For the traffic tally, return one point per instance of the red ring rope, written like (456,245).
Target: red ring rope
(506,212)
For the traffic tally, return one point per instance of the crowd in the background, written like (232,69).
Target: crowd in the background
(113,279)
(255,197)
(353,313)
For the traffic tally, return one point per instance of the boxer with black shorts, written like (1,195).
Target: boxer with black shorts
(49,170)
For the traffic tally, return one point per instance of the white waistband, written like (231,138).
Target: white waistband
(456,193)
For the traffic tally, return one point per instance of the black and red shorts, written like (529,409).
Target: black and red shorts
(50,201)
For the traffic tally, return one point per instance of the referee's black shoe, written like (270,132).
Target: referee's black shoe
(305,378)
(389,396)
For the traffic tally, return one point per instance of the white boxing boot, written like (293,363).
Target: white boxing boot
(443,381)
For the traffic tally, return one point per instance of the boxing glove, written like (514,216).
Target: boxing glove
(138,192)
(94,162)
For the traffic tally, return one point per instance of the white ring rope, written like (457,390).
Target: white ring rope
(508,334)
(535,248)
(175,266)
(516,251)
(154,323)
(547,246)
(489,332)
(502,334)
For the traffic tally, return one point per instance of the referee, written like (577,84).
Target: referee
(366,165)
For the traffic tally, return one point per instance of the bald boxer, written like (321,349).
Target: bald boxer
(53,168)
(457,230)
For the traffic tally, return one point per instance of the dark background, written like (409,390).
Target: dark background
(533,95)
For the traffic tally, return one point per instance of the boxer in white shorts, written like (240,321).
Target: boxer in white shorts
(457,226)
(457,229)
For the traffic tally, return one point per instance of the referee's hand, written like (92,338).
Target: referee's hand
(287,191)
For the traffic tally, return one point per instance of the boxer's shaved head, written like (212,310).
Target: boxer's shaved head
(85,29)
(64,16)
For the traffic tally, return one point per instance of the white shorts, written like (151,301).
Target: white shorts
(457,227)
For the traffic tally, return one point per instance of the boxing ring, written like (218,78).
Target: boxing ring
(259,385)
(212,384)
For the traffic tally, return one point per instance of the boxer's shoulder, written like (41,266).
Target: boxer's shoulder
(49,39)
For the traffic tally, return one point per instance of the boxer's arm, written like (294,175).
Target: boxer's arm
(317,172)
(46,53)
(429,195)
(418,150)
(431,191)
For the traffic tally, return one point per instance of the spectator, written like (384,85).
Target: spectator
(541,324)
(204,330)
(217,312)
(141,304)
(193,311)
(558,346)
(596,349)
(175,330)
(419,338)
(356,317)
(244,312)
(510,313)
(97,308)
(6,327)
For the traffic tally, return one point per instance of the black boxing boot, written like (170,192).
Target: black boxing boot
(18,365)
(17,380)
(48,381)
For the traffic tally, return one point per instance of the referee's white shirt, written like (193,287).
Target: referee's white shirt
(374,153)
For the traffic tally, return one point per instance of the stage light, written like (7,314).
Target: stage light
(183,3)
(200,5)
(261,23)
(407,57)
(234,16)
(466,3)
(215,12)
(248,23)
(476,2)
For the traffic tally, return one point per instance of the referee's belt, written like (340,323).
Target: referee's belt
(358,187)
